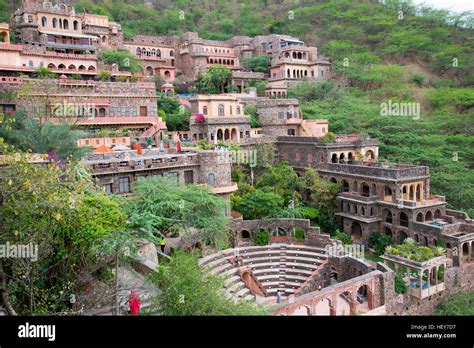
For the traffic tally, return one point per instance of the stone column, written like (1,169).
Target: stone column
(421,279)
(353,306)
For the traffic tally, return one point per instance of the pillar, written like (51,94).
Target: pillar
(353,306)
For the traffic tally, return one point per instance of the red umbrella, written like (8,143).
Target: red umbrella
(179,147)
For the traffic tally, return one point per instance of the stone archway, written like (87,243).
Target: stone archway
(323,307)
(356,232)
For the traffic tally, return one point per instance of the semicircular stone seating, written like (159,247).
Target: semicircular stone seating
(283,267)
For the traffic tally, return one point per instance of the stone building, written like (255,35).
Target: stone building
(158,58)
(93,105)
(283,117)
(219,118)
(118,171)
(394,199)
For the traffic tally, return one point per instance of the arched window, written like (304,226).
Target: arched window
(171,53)
(65,24)
(211,179)
(388,217)
(237,110)
(102,112)
(158,53)
(75,25)
(44,22)
(403,219)
(138,51)
(220,110)
(72,67)
(55,23)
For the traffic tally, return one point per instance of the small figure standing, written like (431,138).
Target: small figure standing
(162,245)
(134,303)
(278,296)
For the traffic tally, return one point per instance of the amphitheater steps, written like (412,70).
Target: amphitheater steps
(276,267)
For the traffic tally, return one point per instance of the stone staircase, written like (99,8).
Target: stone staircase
(284,267)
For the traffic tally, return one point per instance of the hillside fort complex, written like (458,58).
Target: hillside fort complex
(375,196)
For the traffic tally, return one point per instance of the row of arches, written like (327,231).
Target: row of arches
(428,216)
(296,55)
(71,67)
(349,157)
(298,73)
(149,71)
(413,192)
(59,23)
(150,52)
(276,94)
(226,134)
(359,210)
(217,50)
(345,301)
(220,61)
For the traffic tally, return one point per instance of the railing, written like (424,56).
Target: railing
(71,55)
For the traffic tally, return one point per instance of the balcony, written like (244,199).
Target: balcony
(225,189)
(71,55)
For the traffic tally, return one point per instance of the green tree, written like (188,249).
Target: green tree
(188,291)
(216,80)
(194,210)
(58,209)
(123,58)
(260,204)
(259,63)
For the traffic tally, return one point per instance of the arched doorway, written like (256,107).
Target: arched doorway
(233,134)
(245,235)
(429,216)
(356,232)
(334,158)
(403,219)
(419,217)
(226,135)
(323,307)
(437,214)
(363,299)
(345,186)
(350,158)
(342,158)
(220,136)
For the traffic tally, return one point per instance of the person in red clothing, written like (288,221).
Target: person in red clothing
(134,302)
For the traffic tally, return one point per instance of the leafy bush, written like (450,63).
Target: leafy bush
(261,237)
(379,242)
(459,304)
(299,234)
(344,237)
(400,285)
(408,249)
(186,291)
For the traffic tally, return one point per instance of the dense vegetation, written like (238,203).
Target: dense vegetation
(188,291)
(459,304)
